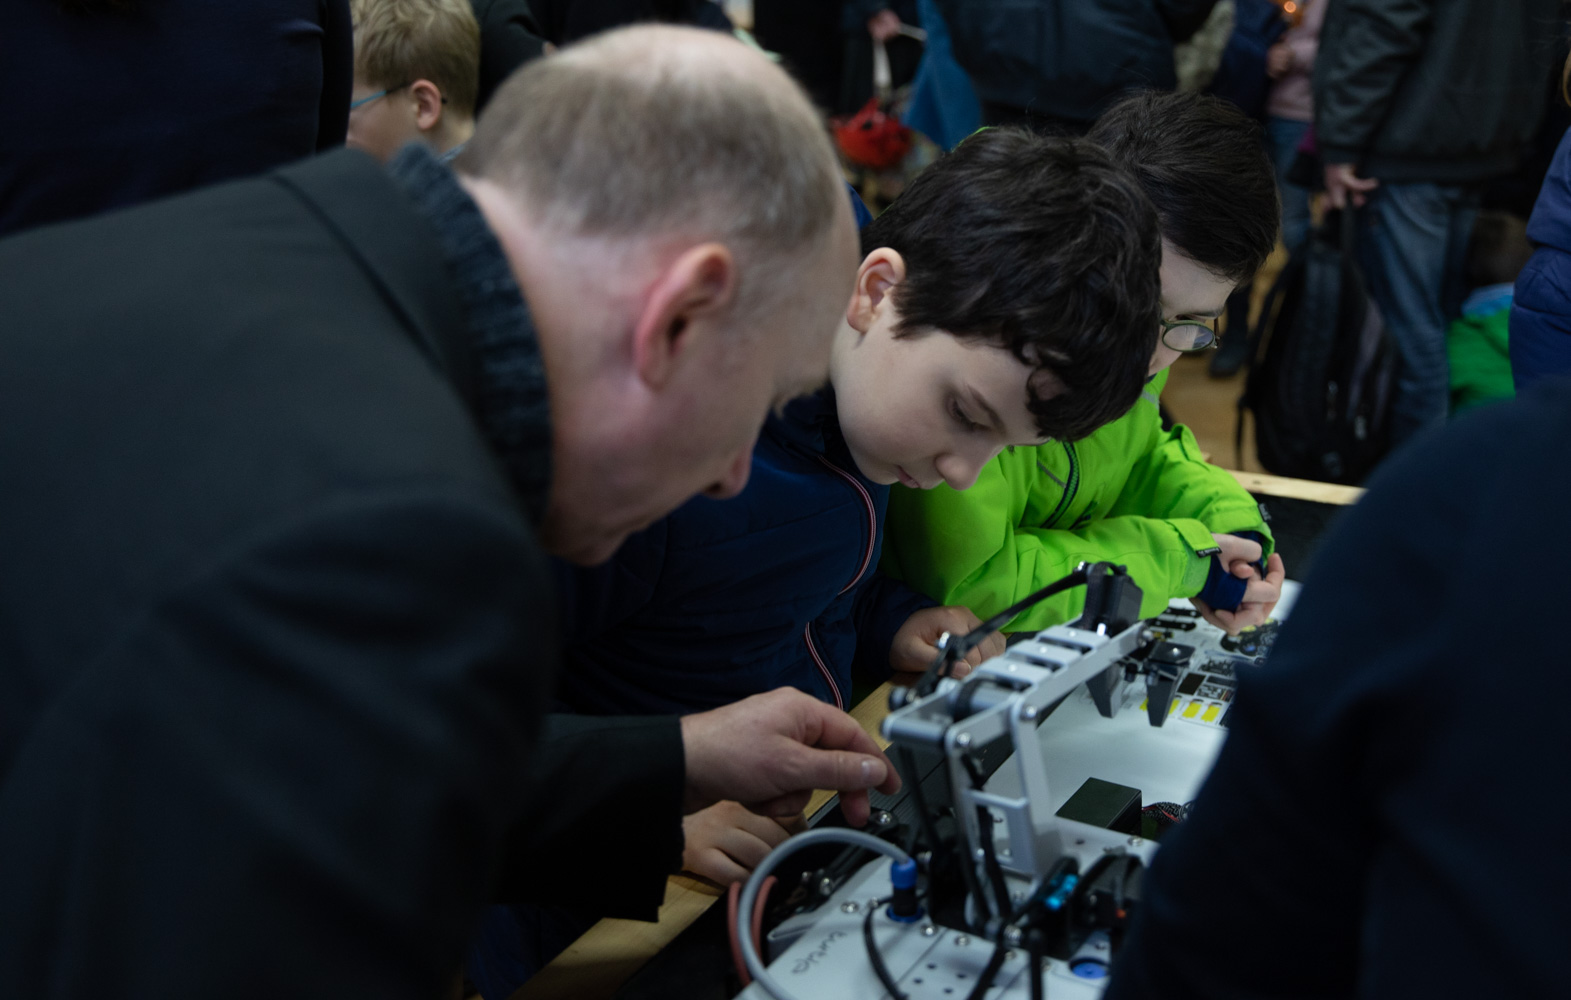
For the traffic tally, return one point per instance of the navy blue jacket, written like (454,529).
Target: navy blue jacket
(776,587)
(1541,314)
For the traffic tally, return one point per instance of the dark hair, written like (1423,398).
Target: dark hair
(1040,245)
(1203,164)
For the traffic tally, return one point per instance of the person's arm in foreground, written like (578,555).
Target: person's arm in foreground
(291,777)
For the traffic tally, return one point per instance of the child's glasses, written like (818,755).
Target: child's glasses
(367,99)
(1186,335)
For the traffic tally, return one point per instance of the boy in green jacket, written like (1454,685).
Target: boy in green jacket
(1130,493)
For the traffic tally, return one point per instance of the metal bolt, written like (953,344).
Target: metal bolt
(882,817)
(961,940)
(980,854)
(849,906)
(826,887)
(1029,713)
(1135,841)
(1012,936)
(963,740)
(928,930)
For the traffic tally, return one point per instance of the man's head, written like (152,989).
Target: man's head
(417,74)
(1009,295)
(1203,164)
(674,212)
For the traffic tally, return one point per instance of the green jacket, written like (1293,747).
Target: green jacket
(1129,494)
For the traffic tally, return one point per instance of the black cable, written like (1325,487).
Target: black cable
(1034,939)
(956,649)
(984,823)
(874,957)
(985,980)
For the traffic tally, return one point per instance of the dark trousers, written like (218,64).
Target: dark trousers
(1413,242)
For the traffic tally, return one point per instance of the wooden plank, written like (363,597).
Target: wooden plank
(608,954)
(1297,489)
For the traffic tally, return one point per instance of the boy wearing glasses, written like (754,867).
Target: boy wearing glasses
(417,76)
(1130,493)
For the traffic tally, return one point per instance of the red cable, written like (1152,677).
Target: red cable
(732,901)
(732,895)
(758,914)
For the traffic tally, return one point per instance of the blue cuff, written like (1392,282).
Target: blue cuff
(1223,591)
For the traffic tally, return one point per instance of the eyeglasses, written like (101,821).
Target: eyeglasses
(1187,335)
(376,96)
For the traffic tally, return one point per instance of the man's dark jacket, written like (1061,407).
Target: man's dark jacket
(1382,819)
(275,631)
(1444,91)
(1069,59)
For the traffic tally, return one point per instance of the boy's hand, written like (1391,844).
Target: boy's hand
(916,644)
(725,842)
(1260,596)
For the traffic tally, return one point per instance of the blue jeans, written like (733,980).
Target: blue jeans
(1283,136)
(1413,241)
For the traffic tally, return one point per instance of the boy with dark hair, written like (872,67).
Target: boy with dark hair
(1131,493)
(1009,296)
(417,75)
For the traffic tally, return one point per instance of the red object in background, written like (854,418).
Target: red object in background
(873,138)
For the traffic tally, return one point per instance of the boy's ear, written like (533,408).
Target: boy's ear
(428,104)
(880,272)
(680,308)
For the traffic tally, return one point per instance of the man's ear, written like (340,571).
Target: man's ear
(428,104)
(880,272)
(681,306)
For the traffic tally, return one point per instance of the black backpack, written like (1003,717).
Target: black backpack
(1323,367)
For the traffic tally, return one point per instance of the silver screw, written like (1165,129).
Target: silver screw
(961,941)
(826,887)
(963,740)
(1135,841)
(1029,713)
(1012,936)
(883,817)
(928,930)
(849,906)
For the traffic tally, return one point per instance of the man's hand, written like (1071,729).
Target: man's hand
(1279,60)
(1342,182)
(916,643)
(725,842)
(769,752)
(884,25)
(1260,597)
(1238,555)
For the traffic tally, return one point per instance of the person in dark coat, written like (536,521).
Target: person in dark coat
(276,631)
(1416,103)
(133,100)
(509,37)
(1367,830)
(1057,65)
(1540,340)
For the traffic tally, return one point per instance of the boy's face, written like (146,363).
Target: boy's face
(382,125)
(927,408)
(1189,291)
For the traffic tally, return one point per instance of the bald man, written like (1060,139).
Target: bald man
(282,461)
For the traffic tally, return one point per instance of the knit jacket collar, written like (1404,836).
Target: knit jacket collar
(511,398)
